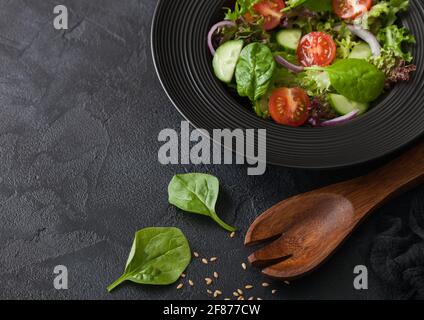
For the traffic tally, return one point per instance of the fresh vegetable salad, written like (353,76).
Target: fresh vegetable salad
(312,62)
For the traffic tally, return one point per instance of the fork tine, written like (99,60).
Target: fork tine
(289,269)
(272,253)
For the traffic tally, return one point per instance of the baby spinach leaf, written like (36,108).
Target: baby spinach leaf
(356,79)
(196,193)
(254,71)
(158,257)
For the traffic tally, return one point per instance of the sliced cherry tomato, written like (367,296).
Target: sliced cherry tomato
(350,9)
(271,11)
(316,49)
(289,106)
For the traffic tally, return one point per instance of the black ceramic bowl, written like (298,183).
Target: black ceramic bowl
(184,66)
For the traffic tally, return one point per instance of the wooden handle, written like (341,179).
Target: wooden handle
(371,191)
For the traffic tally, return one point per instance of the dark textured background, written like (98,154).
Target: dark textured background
(80,112)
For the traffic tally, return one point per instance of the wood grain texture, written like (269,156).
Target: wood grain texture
(311,226)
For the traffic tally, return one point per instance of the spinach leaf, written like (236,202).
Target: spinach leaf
(254,71)
(158,257)
(314,5)
(196,193)
(356,79)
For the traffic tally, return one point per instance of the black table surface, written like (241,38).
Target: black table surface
(80,113)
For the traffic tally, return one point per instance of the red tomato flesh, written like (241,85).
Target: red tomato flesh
(270,10)
(289,106)
(316,49)
(350,9)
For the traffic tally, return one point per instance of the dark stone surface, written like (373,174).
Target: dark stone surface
(80,112)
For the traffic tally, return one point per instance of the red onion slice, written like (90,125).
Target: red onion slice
(365,35)
(341,120)
(215,27)
(292,67)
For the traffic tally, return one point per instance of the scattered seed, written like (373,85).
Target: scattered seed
(227,299)
(195,254)
(190,282)
(258,298)
(208,281)
(251,298)
(243,265)
(183,275)
(265,284)
(248,286)
(240,292)
(217,293)
(209,291)
(235,294)
(179,286)
(274,291)
(213,259)
(205,261)
(240,298)
(287,282)
(232,234)
(215,274)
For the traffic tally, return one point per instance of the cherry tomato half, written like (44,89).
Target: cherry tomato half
(271,11)
(289,106)
(350,9)
(316,49)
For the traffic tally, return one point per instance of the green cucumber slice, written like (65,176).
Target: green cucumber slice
(343,105)
(289,38)
(225,60)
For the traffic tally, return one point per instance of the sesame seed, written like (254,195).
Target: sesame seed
(243,265)
(213,259)
(258,298)
(179,286)
(240,298)
(195,254)
(208,281)
(217,293)
(190,282)
(183,275)
(235,294)
(205,261)
(215,274)
(287,282)
(248,286)
(251,298)
(274,291)
(232,234)
(240,291)
(209,291)
(265,284)
(227,299)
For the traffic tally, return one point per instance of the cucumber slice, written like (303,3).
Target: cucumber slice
(361,51)
(344,106)
(289,38)
(225,60)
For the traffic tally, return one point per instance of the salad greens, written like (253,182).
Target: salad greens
(158,257)
(254,71)
(305,62)
(196,193)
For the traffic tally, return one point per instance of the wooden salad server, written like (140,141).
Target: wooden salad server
(306,229)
